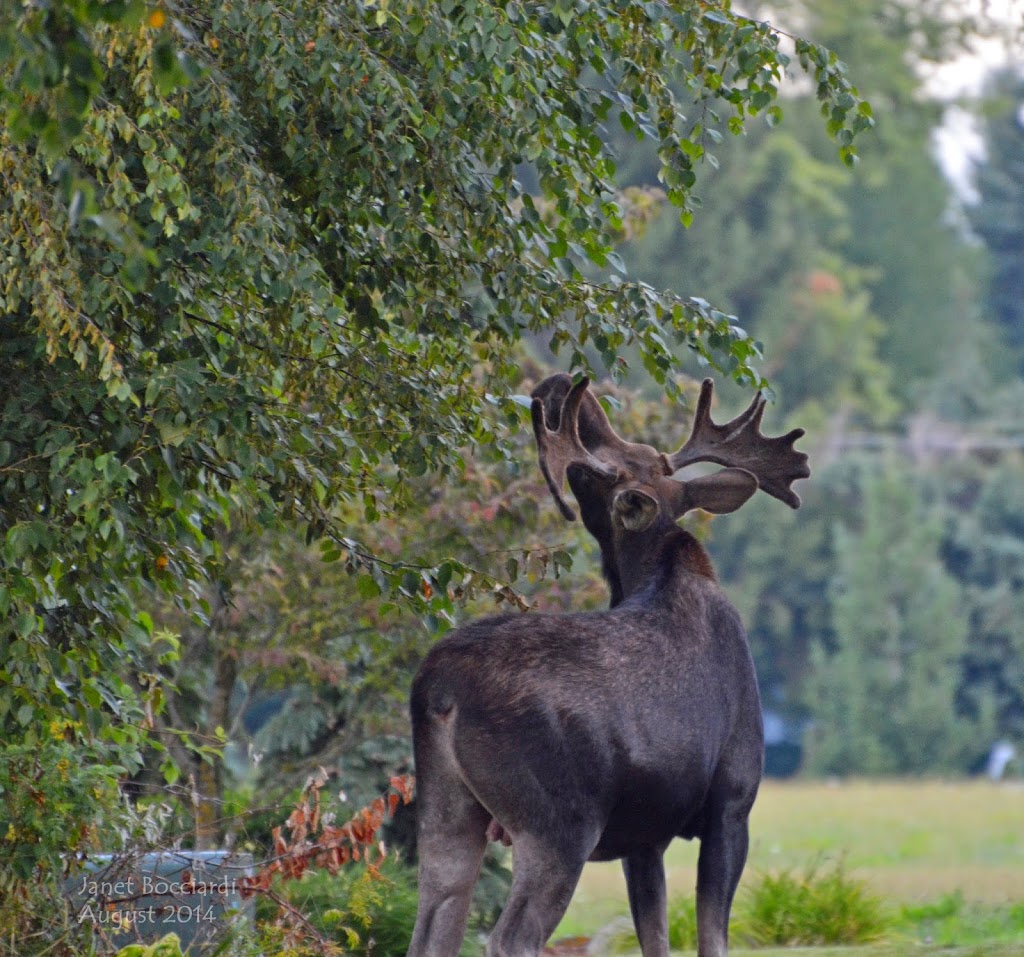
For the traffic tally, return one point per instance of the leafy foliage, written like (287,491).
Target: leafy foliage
(316,842)
(52,807)
(293,283)
(301,664)
(365,917)
(264,262)
(167,946)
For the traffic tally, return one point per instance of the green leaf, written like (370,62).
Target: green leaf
(367,587)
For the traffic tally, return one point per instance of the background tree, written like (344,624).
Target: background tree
(865,292)
(765,248)
(998,216)
(901,228)
(884,695)
(778,221)
(986,551)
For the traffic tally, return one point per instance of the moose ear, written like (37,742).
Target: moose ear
(720,492)
(636,509)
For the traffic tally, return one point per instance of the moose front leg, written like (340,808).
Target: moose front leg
(645,882)
(723,852)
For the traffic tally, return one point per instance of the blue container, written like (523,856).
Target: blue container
(144,897)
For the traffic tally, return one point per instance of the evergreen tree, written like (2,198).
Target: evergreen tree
(998,217)
(917,266)
(986,550)
(883,696)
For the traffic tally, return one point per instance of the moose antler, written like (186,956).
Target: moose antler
(562,447)
(739,444)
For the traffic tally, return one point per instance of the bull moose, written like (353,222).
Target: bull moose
(602,735)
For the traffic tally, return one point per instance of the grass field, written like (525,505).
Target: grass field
(889,950)
(911,842)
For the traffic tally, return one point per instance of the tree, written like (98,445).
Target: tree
(986,551)
(305,664)
(767,247)
(265,261)
(865,264)
(901,229)
(883,697)
(998,216)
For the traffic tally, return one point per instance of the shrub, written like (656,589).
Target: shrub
(821,906)
(51,804)
(367,915)
(167,946)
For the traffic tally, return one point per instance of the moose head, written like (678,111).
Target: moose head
(629,493)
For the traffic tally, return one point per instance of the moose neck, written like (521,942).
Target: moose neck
(642,559)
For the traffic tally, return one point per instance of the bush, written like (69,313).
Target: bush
(367,915)
(821,906)
(52,801)
(56,799)
(168,946)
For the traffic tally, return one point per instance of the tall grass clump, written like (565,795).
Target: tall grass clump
(820,906)
(682,923)
(619,937)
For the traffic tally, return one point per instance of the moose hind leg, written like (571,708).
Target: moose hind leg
(723,852)
(645,882)
(450,856)
(451,839)
(543,880)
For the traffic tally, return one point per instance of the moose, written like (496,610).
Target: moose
(602,735)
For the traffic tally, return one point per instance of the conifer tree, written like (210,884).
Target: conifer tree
(883,696)
(998,217)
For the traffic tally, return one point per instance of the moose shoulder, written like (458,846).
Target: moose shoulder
(602,735)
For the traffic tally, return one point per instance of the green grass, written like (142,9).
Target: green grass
(900,949)
(945,858)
